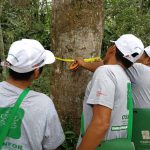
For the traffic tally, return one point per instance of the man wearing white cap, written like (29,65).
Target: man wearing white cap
(36,125)
(139,75)
(105,101)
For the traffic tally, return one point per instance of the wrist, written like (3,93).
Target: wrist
(83,64)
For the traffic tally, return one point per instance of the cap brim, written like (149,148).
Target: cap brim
(112,41)
(147,50)
(50,58)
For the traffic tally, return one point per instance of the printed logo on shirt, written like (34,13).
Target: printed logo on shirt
(15,129)
(125,117)
(12,146)
(118,128)
(99,93)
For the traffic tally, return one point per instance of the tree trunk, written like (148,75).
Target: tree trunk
(2,55)
(77,30)
(1,36)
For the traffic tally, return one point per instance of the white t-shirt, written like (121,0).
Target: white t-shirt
(36,126)
(140,79)
(108,87)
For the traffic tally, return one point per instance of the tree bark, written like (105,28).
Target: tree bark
(2,54)
(1,35)
(77,30)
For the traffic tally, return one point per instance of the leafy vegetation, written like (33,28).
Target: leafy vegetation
(30,20)
(71,137)
(126,16)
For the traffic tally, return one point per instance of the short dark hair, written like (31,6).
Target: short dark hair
(22,76)
(124,61)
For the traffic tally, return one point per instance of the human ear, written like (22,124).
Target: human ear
(36,73)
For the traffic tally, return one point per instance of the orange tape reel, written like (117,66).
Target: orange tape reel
(74,66)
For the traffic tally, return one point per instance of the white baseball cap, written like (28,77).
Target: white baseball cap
(147,50)
(131,47)
(26,55)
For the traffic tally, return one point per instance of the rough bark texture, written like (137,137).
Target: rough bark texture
(2,55)
(1,36)
(77,29)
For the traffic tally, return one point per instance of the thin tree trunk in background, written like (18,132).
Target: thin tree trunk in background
(2,54)
(77,30)
(141,5)
(1,35)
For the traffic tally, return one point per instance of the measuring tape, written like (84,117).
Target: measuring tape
(74,65)
(72,60)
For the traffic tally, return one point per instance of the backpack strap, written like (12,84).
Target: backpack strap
(11,117)
(130,108)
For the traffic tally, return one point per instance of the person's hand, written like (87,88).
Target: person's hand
(80,61)
(77,62)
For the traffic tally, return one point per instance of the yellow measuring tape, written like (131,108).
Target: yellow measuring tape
(86,60)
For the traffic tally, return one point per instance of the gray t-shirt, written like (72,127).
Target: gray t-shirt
(108,87)
(36,126)
(140,79)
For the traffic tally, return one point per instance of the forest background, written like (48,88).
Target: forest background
(32,19)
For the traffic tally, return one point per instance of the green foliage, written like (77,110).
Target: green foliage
(70,137)
(126,16)
(30,21)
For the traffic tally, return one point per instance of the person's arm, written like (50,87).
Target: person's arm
(97,128)
(91,66)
